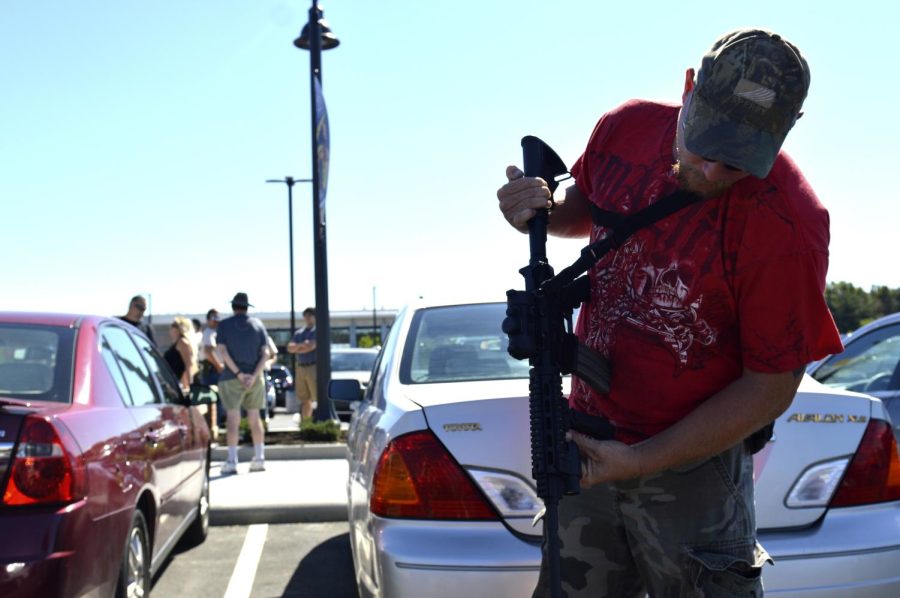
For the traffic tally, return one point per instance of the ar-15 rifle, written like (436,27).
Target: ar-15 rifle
(539,326)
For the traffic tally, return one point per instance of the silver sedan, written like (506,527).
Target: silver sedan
(441,499)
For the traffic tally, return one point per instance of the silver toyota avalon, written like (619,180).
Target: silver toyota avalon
(441,499)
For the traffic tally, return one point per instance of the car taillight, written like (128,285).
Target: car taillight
(416,478)
(873,475)
(42,469)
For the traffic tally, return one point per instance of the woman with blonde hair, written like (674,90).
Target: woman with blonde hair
(181,356)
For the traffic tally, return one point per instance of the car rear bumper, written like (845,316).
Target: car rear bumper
(852,552)
(58,551)
(39,560)
(450,560)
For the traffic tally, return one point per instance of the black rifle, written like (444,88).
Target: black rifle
(539,326)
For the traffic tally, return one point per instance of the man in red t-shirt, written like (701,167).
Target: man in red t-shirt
(708,318)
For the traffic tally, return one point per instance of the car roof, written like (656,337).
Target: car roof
(47,319)
(426,304)
(882,321)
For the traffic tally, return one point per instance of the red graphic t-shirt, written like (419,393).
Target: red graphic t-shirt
(685,304)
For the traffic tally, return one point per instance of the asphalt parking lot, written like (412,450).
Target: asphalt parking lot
(299,560)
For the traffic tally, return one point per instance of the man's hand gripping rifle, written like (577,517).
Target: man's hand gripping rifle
(539,326)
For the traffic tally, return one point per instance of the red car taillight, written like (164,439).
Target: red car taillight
(873,475)
(416,478)
(42,469)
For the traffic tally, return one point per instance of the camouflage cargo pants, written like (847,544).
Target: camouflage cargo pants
(687,532)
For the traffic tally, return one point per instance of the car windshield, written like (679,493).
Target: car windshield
(352,361)
(36,362)
(459,343)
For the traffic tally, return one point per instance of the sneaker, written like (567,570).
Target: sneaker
(257,465)
(228,468)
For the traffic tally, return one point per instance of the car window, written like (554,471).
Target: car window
(171,389)
(115,371)
(869,363)
(134,373)
(459,343)
(352,361)
(36,362)
(374,393)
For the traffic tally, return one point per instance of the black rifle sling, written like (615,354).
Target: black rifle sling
(624,226)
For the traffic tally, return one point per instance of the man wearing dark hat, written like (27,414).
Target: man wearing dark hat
(243,346)
(707,316)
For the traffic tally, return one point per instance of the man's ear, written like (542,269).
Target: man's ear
(688,84)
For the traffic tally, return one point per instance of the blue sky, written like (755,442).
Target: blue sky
(136,137)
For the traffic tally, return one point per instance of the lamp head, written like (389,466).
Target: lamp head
(329,39)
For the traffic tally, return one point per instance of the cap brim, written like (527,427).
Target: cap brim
(711,134)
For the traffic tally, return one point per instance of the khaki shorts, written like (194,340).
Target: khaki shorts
(305,383)
(235,396)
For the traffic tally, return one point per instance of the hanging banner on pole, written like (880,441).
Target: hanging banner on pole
(322,147)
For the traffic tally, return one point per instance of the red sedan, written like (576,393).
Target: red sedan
(104,464)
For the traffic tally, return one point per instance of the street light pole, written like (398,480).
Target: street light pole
(289,181)
(315,37)
(374,320)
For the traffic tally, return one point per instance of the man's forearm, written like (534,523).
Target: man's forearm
(210,354)
(266,354)
(261,365)
(227,360)
(301,348)
(727,418)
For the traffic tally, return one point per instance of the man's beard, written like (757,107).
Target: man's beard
(691,179)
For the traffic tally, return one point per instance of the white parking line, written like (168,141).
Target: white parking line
(241,583)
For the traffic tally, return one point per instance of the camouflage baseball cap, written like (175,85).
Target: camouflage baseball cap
(749,92)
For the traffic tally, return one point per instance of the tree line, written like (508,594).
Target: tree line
(852,306)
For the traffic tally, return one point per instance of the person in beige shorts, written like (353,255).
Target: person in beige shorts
(243,345)
(303,344)
(234,395)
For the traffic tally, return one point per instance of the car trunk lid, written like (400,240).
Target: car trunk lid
(485,426)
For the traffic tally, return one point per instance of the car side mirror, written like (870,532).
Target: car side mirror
(344,390)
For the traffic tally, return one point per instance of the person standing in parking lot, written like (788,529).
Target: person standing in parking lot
(210,364)
(244,350)
(136,308)
(210,367)
(303,344)
(707,317)
(181,355)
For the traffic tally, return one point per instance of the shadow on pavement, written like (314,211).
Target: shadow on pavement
(314,576)
(179,548)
